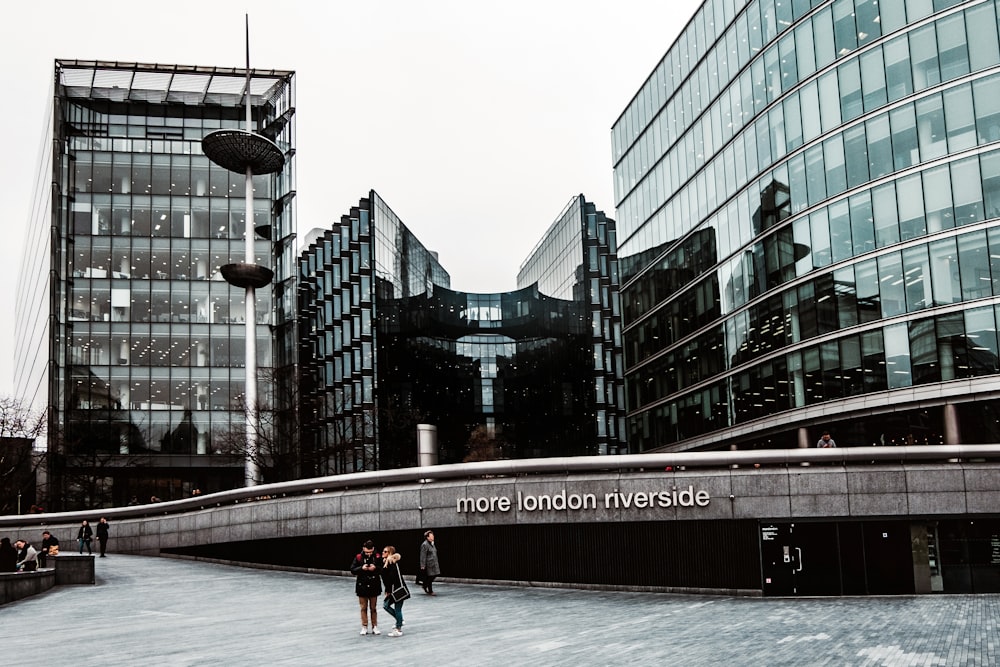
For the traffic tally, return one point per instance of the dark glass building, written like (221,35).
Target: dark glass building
(808,195)
(386,345)
(126,330)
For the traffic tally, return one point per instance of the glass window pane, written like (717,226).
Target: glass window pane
(815,174)
(905,152)
(974,260)
(960,121)
(930,127)
(819,227)
(981,341)
(845,32)
(953,52)
(879,146)
(898,75)
(809,102)
(890,282)
(804,50)
(944,268)
(917,278)
(849,76)
(793,121)
(897,355)
(856,152)
(985,93)
(823,37)
(910,203)
(923,344)
(967,191)
(937,199)
(862,223)
(924,57)
(990,166)
(873,79)
(840,231)
(981,26)
(836,169)
(829,100)
(867,286)
(885,213)
(868,20)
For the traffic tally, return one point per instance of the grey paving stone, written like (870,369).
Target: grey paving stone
(158,611)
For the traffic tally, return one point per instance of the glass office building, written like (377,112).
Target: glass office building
(386,345)
(127,332)
(808,199)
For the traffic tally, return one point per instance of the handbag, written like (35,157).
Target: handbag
(54,550)
(399,591)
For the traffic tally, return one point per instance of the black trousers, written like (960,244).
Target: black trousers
(104,544)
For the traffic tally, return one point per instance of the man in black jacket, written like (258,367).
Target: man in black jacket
(102,534)
(48,542)
(367,567)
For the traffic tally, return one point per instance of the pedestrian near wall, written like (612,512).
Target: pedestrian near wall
(27,557)
(826,441)
(84,536)
(396,591)
(50,547)
(102,535)
(429,567)
(367,566)
(8,556)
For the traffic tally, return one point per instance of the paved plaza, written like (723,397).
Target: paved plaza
(159,611)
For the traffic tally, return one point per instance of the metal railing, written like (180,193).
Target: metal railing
(667,462)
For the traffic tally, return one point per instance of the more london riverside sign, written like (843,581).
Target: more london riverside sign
(563,501)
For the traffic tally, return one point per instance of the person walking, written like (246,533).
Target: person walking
(102,534)
(8,556)
(429,567)
(367,567)
(50,547)
(396,591)
(27,557)
(84,536)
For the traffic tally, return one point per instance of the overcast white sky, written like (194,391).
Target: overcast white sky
(475,121)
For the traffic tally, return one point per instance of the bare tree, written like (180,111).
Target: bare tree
(484,446)
(20,427)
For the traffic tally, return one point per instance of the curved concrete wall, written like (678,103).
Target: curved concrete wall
(894,490)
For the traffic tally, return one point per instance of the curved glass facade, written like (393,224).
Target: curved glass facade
(808,197)
(145,338)
(387,345)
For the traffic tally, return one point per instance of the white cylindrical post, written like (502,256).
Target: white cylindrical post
(427,445)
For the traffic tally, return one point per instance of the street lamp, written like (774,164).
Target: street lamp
(243,151)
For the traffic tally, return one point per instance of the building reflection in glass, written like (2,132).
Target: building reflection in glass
(387,344)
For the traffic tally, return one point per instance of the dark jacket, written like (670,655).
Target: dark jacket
(85,533)
(391,575)
(102,531)
(8,556)
(368,584)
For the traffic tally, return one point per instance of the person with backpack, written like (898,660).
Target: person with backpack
(367,567)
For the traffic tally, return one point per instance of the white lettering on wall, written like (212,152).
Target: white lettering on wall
(563,501)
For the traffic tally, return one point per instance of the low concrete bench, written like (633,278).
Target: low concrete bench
(65,570)
(73,569)
(17,585)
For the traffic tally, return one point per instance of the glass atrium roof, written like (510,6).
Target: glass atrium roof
(166,83)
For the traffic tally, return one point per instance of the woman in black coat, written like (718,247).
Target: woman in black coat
(84,536)
(393,580)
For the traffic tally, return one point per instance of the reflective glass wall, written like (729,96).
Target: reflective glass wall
(807,194)
(147,340)
(387,345)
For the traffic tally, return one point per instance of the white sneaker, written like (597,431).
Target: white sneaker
(364,631)
(396,632)
(375,630)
